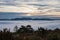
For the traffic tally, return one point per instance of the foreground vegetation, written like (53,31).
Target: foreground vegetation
(28,33)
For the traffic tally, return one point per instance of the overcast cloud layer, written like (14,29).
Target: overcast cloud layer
(36,7)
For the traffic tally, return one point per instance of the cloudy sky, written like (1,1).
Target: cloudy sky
(31,7)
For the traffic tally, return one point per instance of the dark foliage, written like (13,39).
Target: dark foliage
(28,33)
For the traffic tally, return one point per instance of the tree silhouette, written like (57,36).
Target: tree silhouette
(28,33)
(25,29)
(22,29)
(42,33)
(29,29)
(5,30)
(15,28)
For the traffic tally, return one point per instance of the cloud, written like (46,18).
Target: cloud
(22,8)
(30,6)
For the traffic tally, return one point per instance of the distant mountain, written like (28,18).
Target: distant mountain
(30,18)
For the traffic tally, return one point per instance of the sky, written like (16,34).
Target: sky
(31,7)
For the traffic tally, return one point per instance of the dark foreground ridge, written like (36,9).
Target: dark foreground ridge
(28,33)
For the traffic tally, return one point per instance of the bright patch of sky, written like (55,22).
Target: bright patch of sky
(32,7)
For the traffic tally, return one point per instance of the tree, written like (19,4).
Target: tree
(15,28)
(42,33)
(29,29)
(22,29)
(5,30)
